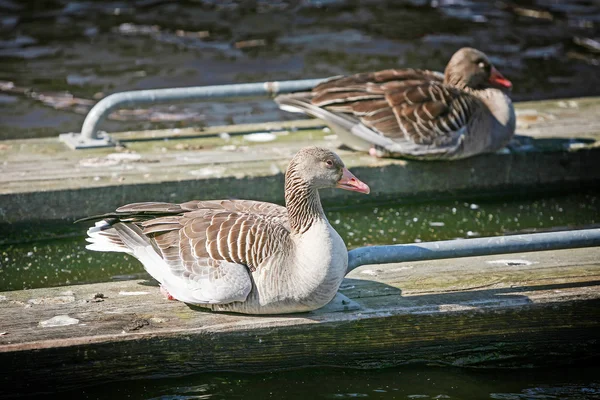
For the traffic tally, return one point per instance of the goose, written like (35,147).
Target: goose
(415,113)
(241,256)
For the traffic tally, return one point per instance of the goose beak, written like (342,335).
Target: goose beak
(497,79)
(350,182)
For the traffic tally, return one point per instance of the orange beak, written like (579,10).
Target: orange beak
(497,79)
(350,182)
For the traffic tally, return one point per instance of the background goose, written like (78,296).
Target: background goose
(416,113)
(240,255)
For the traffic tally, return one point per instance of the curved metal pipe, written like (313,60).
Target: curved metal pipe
(473,247)
(136,98)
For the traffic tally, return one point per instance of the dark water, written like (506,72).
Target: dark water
(65,261)
(58,57)
(407,382)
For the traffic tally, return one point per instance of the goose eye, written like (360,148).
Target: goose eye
(329,163)
(481,65)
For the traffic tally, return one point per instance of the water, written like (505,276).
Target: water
(50,262)
(61,56)
(406,382)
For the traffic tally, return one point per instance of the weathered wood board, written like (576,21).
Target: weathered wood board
(41,179)
(519,310)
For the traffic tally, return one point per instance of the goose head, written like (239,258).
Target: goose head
(321,168)
(471,68)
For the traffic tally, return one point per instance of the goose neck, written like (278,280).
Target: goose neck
(303,203)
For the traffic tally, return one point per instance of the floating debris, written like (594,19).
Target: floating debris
(124,293)
(194,35)
(112,159)
(128,28)
(370,272)
(588,43)
(511,262)
(260,137)
(59,320)
(400,269)
(568,104)
(208,172)
(187,146)
(531,13)
(437,224)
(225,136)
(250,43)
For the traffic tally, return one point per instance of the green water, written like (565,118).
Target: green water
(406,382)
(65,261)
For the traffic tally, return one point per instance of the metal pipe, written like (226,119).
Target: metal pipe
(473,247)
(136,98)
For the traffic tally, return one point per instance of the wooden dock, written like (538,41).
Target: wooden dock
(520,310)
(41,179)
(530,309)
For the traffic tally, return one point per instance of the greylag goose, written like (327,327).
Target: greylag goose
(240,255)
(416,113)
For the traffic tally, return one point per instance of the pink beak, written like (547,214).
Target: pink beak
(350,182)
(498,79)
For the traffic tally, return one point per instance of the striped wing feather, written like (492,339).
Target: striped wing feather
(195,234)
(402,105)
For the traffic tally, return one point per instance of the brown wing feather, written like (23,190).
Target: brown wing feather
(198,233)
(342,83)
(399,104)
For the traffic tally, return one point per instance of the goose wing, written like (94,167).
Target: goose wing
(206,249)
(408,112)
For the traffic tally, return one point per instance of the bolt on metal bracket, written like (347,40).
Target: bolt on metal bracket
(77,141)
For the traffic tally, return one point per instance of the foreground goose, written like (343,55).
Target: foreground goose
(416,113)
(241,255)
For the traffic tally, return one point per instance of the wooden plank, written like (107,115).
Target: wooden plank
(522,310)
(40,179)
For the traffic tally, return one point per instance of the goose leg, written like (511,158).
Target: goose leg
(166,293)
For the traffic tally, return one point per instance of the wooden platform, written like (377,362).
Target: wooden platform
(40,179)
(521,310)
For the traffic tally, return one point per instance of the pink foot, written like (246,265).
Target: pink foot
(374,153)
(166,293)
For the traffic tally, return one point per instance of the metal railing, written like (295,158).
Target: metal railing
(473,247)
(91,137)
